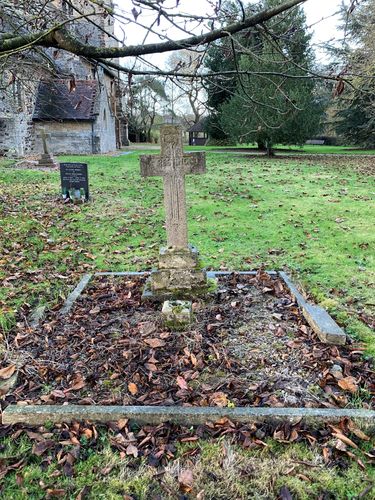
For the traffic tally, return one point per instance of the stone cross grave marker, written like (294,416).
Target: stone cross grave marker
(44,136)
(173,165)
(179,274)
(46,159)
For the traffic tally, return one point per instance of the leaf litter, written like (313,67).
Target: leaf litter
(248,345)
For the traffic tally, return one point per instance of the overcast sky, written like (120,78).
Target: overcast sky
(316,10)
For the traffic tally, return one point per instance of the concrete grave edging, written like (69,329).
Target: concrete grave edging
(318,318)
(194,415)
(73,296)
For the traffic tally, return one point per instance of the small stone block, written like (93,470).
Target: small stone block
(177,313)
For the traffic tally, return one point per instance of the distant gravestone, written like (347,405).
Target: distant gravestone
(74,182)
(46,160)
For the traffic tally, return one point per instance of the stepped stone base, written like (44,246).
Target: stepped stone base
(47,160)
(177,279)
(178,258)
(179,276)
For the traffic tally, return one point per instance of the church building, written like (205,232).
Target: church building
(78,103)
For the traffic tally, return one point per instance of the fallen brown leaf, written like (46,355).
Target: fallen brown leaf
(41,447)
(151,367)
(348,384)
(55,493)
(87,433)
(154,343)
(185,479)
(95,310)
(219,399)
(326,454)
(78,384)
(361,435)
(133,389)
(7,371)
(345,439)
(181,382)
(122,423)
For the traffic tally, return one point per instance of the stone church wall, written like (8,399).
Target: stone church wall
(105,124)
(65,137)
(16,108)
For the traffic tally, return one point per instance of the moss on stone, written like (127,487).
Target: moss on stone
(212,285)
(175,325)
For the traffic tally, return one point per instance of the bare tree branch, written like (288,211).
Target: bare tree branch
(61,38)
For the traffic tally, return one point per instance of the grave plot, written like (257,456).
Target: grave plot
(248,345)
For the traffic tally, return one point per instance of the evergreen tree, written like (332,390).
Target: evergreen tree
(276,100)
(356,104)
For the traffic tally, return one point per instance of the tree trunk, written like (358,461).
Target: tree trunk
(269,148)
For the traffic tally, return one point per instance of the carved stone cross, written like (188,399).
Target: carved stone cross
(44,137)
(173,165)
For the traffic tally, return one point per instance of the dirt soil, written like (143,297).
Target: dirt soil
(247,346)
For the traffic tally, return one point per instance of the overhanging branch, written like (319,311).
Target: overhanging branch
(63,39)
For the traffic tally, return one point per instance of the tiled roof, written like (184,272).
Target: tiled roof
(56,101)
(199,127)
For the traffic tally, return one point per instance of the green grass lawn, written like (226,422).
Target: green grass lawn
(317,149)
(292,149)
(313,218)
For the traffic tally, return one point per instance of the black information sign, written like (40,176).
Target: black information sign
(74,181)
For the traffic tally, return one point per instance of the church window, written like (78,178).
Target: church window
(67,7)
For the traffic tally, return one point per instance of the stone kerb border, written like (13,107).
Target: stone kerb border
(320,321)
(326,328)
(40,414)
